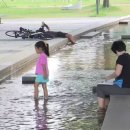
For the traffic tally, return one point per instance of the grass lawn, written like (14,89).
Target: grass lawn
(52,8)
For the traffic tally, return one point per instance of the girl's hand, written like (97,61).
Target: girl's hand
(45,76)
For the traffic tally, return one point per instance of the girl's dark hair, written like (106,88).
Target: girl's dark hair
(118,46)
(44,46)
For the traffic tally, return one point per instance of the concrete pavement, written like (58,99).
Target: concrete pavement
(17,53)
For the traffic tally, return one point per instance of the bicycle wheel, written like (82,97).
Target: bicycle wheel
(13,33)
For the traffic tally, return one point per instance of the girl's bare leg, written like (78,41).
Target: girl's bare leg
(36,91)
(45,91)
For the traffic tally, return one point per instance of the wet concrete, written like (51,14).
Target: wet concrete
(71,105)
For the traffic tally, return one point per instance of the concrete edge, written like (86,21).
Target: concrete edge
(117,109)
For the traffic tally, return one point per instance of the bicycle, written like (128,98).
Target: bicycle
(26,33)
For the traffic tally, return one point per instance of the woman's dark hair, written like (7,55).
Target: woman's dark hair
(44,46)
(118,46)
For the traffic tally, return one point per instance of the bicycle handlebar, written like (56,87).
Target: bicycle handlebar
(24,30)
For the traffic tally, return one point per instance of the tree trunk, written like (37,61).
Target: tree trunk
(105,3)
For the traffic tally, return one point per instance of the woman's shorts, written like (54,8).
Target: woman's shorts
(41,79)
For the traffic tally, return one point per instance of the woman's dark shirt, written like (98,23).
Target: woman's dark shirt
(124,60)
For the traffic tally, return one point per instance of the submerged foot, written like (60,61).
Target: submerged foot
(45,98)
(36,98)
(101,115)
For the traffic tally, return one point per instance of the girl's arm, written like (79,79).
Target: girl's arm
(117,72)
(45,73)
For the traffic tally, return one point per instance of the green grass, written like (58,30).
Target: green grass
(120,1)
(38,9)
(43,3)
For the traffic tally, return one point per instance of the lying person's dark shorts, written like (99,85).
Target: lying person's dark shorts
(60,34)
(56,34)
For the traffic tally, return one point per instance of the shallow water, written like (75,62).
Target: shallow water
(71,105)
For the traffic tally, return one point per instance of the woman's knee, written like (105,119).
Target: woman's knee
(99,87)
(100,91)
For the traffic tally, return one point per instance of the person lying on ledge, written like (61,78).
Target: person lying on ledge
(121,85)
(45,29)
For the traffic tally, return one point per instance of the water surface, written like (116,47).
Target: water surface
(71,105)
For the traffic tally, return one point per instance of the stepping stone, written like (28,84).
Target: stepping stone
(123,22)
(28,79)
(90,35)
(125,37)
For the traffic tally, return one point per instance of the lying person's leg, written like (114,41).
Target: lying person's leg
(71,38)
(66,35)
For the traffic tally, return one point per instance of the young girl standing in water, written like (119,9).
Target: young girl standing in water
(42,72)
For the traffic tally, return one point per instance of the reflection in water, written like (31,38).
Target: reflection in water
(41,113)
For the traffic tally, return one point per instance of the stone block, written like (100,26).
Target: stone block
(90,35)
(125,37)
(109,57)
(118,113)
(28,79)
(123,22)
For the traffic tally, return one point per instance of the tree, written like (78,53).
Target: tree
(105,3)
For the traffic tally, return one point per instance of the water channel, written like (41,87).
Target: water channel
(71,105)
